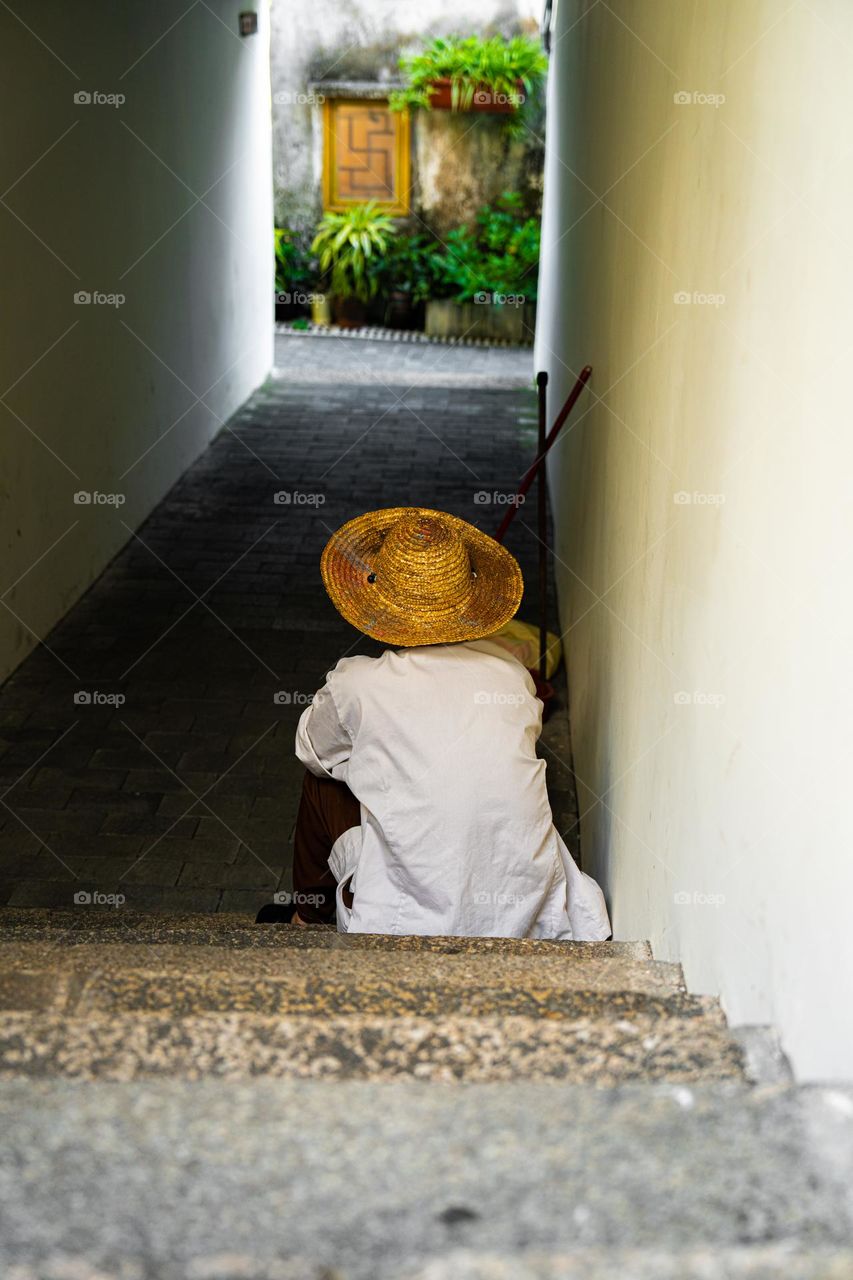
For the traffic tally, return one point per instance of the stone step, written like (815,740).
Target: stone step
(597,1048)
(292,1180)
(528,993)
(774,1262)
(27,968)
(239,932)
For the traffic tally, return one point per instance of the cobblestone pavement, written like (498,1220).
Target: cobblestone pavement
(362,360)
(213,627)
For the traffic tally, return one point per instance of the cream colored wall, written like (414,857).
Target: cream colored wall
(735,795)
(103,197)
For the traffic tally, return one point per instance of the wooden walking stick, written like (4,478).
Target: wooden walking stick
(531,474)
(537,472)
(542,513)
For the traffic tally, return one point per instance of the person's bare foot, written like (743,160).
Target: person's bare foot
(279,913)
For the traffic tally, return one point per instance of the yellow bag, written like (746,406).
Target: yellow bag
(521,639)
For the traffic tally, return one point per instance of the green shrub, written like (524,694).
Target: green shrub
(348,244)
(498,255)
(409,265)
(294,270)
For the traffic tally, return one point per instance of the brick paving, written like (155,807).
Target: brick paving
(213,627)
(366,360)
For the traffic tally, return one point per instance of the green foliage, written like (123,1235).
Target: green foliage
(499,255)
(294,270)
(498,64)
(348,244)
(409,265)
(363,255)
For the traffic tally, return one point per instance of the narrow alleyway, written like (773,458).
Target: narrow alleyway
(211,629)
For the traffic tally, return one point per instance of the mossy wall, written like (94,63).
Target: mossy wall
(459,161)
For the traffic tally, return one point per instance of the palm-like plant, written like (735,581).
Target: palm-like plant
(346,244)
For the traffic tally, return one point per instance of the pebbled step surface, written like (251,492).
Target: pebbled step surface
(759,1263)
(238,931)
(576,969)
(183,995)
(290,1180)
(586,1264)
(772,1263)
(601,1050)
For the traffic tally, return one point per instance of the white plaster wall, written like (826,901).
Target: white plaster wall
(719,822)
(99,197)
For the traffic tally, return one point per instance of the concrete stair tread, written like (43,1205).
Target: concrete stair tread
(602,1049)
(238,931)
(387,992)
(760,1263)
(772,1262)
(27,967)
(292,1180)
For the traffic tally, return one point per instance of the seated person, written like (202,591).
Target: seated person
(424,808)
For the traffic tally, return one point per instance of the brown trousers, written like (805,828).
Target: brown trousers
(326,810)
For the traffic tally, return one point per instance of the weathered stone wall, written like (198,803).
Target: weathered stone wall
(463,160)
(458,161)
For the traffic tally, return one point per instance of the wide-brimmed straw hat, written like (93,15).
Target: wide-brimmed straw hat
(411,576)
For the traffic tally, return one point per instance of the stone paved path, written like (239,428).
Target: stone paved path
(363,360)
(213,627)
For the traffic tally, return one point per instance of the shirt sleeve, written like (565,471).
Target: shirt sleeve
(322,743)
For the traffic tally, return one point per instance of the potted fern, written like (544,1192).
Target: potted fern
(472,74)
(347,244)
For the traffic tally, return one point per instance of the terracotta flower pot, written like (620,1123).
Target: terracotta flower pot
(349,313)
(484,99)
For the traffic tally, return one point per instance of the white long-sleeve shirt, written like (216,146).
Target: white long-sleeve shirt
(437,743)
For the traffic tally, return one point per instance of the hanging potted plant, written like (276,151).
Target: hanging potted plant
(347,245)
(497,75)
